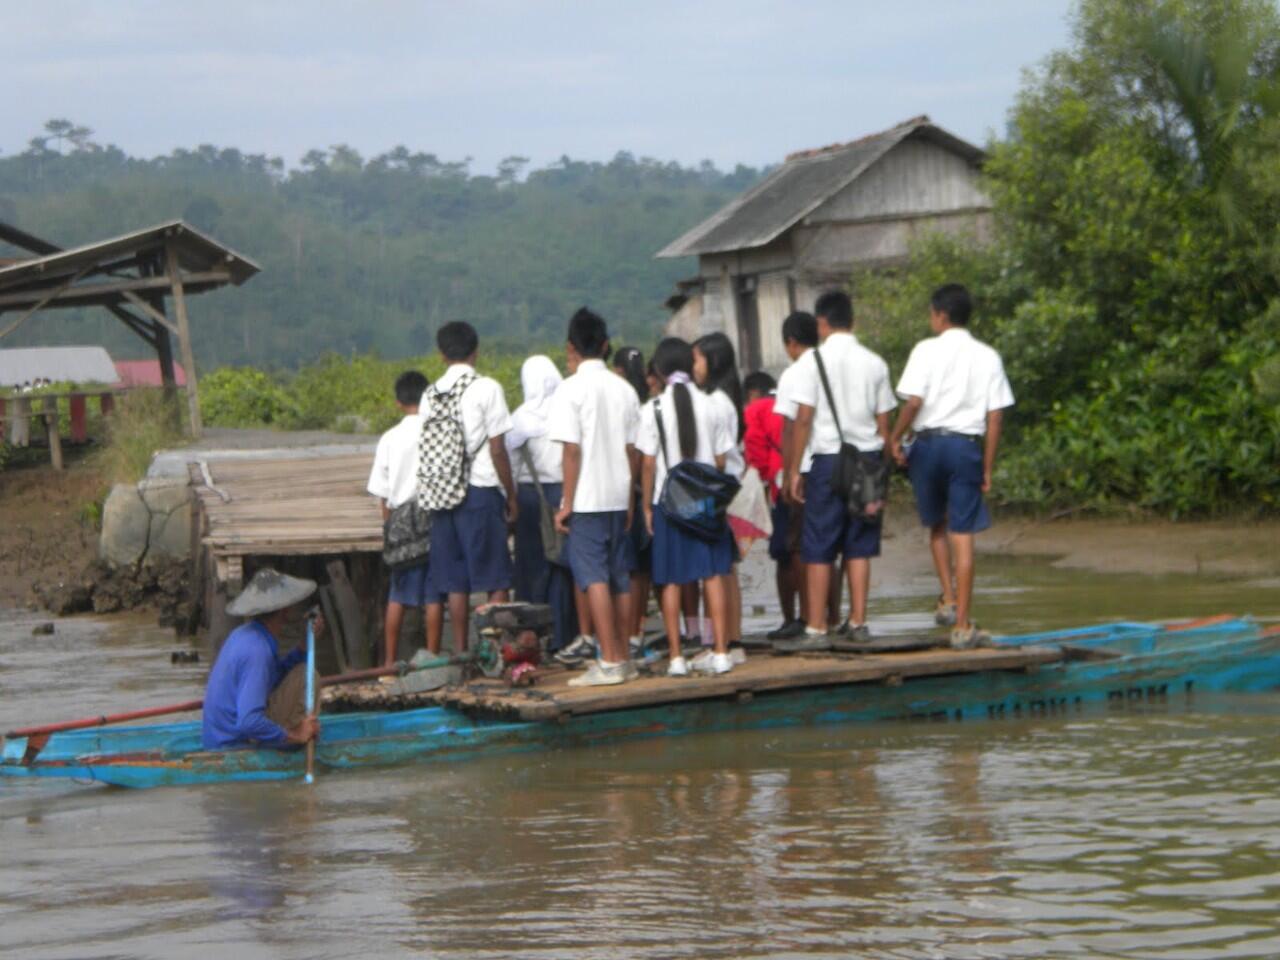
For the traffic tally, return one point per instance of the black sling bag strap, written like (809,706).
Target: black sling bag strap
(552,538)
(860,479)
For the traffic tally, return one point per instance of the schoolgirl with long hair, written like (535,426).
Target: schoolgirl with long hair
(715,370)
(692,432)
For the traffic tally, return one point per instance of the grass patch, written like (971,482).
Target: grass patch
(143,422)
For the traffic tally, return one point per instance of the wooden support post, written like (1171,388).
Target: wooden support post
(168,381)
(106,403)
(79,418)
(51,428)
(349,614)
(184,338)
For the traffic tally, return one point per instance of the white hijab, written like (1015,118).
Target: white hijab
(540,379)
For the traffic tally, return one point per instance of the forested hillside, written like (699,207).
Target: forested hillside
(372,254)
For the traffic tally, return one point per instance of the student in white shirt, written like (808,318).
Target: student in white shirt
(595,416)
(715,371)
(956,392)
(799,336)
(535,459)
(691,432)
(859,381)
(394,480)
(469,542)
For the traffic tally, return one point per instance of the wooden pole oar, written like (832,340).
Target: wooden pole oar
(311,700)
(38,737)
(187,706)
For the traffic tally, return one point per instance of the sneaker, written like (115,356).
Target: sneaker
(788,631)
(967,638)
(678,667)
(629,670)
(601,674)
(737,653)
(716,664)
(643,652)
(944,614)
(582,648)
(851,634)
(812,641)
(702,659)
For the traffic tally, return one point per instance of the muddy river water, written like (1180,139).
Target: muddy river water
(1149,834)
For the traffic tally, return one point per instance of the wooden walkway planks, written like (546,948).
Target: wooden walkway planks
(288,506)
(554,699)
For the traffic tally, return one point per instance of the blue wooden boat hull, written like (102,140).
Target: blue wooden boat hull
(1151,664)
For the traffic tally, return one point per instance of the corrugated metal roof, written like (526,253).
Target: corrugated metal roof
(195,250)
(803,183)
(76,364)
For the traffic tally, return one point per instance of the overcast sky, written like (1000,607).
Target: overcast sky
(729,80)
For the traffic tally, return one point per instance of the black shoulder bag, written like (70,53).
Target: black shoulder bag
(695,496)
(406,536)
(860,479)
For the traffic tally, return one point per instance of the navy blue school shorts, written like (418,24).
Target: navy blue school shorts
(469,545)
(780,541)
(829,531)
(410,586)
(680,557)
(600,551)
(946,475)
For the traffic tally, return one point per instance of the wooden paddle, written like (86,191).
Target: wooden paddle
(311,698)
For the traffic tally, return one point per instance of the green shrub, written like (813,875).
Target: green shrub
(244,397)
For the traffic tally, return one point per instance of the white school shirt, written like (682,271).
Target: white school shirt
(735,463)
(547,457)
(484,416)
(860,384)
(959,379)
(394,477)
(600,412)
(784,402)
(713,439)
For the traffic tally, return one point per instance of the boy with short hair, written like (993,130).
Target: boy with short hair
(859,388)
(956,392)
(596,414)
(469,541)
(394,480)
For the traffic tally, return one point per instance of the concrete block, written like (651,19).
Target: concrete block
(126,527)
(169,503)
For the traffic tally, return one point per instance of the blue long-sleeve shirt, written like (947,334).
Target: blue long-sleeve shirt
(248,668)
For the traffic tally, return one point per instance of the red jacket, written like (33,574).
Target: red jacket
(762,442)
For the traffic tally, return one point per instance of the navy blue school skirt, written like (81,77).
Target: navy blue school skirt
(680,557)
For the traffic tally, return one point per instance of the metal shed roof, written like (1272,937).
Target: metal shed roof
(211,264)
(803,183)
(76,364)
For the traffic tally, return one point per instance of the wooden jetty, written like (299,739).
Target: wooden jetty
(308,515)
(553,699)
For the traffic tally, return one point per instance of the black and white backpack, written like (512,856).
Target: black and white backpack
(444,465)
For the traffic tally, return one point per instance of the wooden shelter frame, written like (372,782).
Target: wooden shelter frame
(129,275)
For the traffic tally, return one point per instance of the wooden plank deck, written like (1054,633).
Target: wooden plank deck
(288,506)
(553,699)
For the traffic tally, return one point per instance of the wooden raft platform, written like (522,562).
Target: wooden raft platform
(296,506)
(553,699)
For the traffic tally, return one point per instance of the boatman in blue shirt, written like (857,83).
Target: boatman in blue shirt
(255,697)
